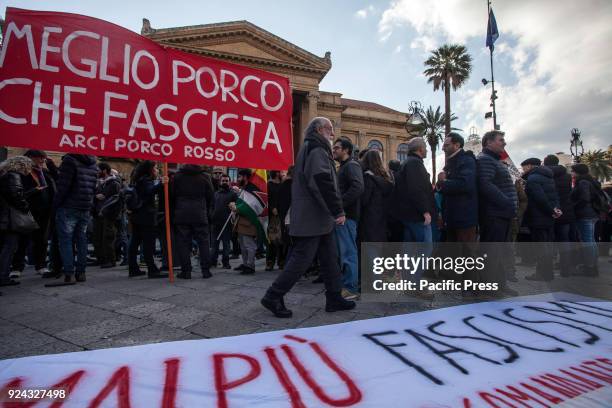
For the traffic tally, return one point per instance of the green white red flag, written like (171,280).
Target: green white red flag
(253,201)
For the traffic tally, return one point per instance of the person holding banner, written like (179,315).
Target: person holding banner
(316,208)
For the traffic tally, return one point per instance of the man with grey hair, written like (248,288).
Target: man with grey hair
(413,202)
(316,207)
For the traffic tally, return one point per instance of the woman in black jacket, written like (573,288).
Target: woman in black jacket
(144,219)
(12,198)
(377,187)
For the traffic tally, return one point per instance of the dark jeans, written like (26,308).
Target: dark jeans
(226,239)
(544,237)
(468,247)
(494,232)
(142,235)
(72,227)
(104,236)
(9,243)
(567,261)
(303,252)
(275,254)
(185,235)
(121,243)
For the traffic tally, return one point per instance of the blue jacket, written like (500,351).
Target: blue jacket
(542,198)
(76,185)
(459,191)
(495,187)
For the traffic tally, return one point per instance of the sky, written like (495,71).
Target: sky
(552,61)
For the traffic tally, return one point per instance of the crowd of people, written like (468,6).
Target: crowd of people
(319,211)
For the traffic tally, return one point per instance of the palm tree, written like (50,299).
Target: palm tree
(431,130)
(448,65)
(599,164)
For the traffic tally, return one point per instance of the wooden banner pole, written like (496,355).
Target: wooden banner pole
(167,214)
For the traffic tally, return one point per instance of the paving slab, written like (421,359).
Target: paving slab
(152,333)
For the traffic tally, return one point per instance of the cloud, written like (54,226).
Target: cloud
(364,12)
(397,49)
(557,52)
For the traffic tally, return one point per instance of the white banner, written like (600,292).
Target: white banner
(496,354)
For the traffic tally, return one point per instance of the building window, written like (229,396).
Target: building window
(376,145)
(402,152)
(232,172)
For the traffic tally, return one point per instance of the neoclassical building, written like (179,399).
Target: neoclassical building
(367,124)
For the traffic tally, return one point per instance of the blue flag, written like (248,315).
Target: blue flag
(492,33)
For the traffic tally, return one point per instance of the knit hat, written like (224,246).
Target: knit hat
(533,161)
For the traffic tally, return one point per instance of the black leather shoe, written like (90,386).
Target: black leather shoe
(80,277)
(239,267)
(247,271)
(206,274)
(227,266)
(335,302)
(108,265)
(137,272)
(276,305)
(9,282)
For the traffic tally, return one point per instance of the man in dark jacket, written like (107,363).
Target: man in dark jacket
(73,201)
(542,209)
(583,196)
(107,209)
(563,186)
(350,184)
(413,201)
(221,212)
(192,195)
(316,207)
(273,253)
(498,205)
(459,192)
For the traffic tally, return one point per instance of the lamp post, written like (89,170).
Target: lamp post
(415,112)
(576,148)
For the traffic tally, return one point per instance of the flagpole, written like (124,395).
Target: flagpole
(167,217)
(493,96)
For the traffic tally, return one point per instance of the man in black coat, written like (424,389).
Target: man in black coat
(498,205)
(220,214)
(192,193)
(459,191)
(73,202)
(107,209)
(563,186)
(350,184)
(316,208)
(542,210)
(413,200)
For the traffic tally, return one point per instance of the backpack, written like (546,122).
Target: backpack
(131,198)
(600,201)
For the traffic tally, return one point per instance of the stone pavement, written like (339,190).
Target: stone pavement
(112,310)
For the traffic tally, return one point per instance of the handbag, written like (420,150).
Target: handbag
(274,230)
(21,222)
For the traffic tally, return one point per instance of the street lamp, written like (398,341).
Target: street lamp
(576,148)
(415,111)
(473,136)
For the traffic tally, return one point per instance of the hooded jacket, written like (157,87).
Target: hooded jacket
(192,193)
(582,197)
(350,184)
(315,198)
(459,191)
(76,185)
(495,187)
(542,198)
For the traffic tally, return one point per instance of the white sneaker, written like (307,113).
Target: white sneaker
(14,274)
(41,271)
(348,295)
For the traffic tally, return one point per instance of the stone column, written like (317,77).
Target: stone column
(313,100)
(361,140)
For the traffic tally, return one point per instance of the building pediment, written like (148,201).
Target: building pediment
(241,42)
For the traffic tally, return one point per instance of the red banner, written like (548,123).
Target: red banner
(79,84)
